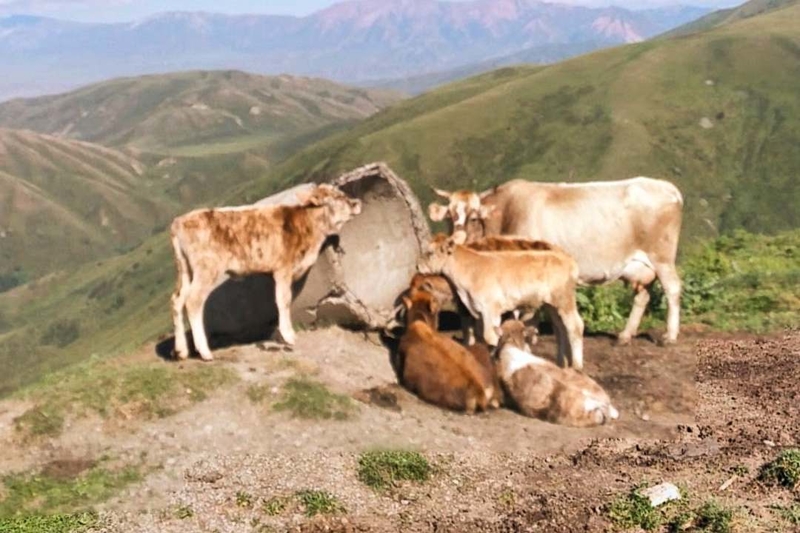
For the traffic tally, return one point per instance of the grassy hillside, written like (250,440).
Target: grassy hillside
(194,112)
(715,112)
(727,16)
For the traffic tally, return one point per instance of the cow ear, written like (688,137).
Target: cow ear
(437,212)
(486,211)
(444,194)
(407,302)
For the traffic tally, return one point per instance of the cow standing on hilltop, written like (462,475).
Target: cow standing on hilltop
(627,229)
(212,245)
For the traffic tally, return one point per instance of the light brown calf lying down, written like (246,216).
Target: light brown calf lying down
(542,390)
(490,283)
(437,368)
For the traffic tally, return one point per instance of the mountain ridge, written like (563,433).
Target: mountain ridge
(349,42)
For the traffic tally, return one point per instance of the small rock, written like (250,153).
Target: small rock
(710,83)
(661,494)
(706,123)
(769,443)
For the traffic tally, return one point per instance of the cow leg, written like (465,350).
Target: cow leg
(671,282)
(178,303)
(573,323)
(283,299)
(467,329)
(640,301)
(561,336)
(195,304)
(489,321)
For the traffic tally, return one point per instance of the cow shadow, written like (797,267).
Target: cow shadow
(240,311)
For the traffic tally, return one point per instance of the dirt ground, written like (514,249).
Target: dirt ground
(689,414)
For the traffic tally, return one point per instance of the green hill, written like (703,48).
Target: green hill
(191,112)
(727,16)
(715,112)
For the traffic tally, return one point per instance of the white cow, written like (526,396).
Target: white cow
(617,230)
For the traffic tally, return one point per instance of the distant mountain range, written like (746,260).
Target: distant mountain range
(354,42)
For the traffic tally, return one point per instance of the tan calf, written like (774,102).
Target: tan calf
(438,369)
(616,230)
(542,390)
(212,245)
(492,283)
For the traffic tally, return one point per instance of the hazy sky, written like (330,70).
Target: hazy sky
(124,10)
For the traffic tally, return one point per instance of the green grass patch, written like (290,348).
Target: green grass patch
(788,513)
(740,282)
(184,512)
(319,502)
(143,390)
(634,510)
(275,506)
(305,398)
(54,523)
(384,469)
(783,471)
(714,518)
(62,491)
(258,393)
(244,499)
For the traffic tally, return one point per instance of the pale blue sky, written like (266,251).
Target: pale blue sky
(125,10)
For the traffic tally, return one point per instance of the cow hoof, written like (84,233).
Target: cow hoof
(666,341)
(623,340)
(207,358)
(180,356)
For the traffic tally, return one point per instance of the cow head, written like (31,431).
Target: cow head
(339,208)
(436,254)
(421,307)
(463,213)
(517,334)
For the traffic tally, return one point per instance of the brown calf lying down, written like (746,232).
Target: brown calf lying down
(492,283)
(542,390)
(438,369)
(212,245)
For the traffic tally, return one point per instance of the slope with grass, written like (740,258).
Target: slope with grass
(727,16)
(614,114)
(194,112)
(716,113)
(64,201)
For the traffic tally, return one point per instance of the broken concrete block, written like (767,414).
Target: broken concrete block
(661,494)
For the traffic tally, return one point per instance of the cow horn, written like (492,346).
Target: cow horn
(440,192)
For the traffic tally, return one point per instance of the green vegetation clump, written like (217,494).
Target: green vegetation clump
(384,469)
(634,510)
(784,470)
(61,333)
(258,393)
(714,518)
(736,282)
(140,390)
(319,502)
(789,513)
(274,506)
(305,398)
(244,499)
(53,523)
(48,492)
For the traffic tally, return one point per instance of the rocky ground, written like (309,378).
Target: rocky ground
(708,411)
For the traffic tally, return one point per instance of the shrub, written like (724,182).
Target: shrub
(784,470)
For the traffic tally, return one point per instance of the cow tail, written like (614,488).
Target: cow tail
(182,267)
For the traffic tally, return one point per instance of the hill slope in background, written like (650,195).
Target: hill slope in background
(182,140)
(727,16)
(351,42)
(715,112)
(167,111)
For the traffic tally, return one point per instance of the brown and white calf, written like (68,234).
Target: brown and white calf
(540,389)
(492,283)
(616,230)
(212,245)
(437,368)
